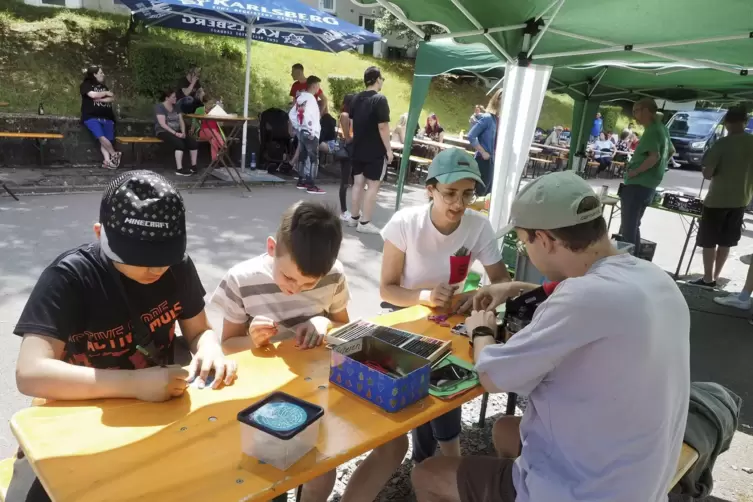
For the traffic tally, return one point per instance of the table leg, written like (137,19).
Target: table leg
(684,248)
(213,164)
(512,402)
(5,187)
(484,404)
(611,213)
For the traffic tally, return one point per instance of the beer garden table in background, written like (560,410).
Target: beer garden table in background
(223,155)
(189,448)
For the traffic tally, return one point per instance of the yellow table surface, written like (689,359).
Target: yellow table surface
(119,449)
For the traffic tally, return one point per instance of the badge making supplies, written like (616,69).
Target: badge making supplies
(440,319)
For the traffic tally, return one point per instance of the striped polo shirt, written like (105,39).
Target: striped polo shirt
(248,289)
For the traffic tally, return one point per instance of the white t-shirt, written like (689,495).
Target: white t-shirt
(429,254)
(305,114)
(599,144)
(605,363)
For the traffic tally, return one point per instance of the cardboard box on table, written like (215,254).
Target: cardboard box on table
(348,371)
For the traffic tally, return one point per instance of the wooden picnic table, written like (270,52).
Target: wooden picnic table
(436,144)
(463,142)
(223,155)
(189,448)
(550,147)
(4,103)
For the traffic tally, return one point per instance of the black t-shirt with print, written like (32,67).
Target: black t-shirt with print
(77,301)
(91,109)
(367,110)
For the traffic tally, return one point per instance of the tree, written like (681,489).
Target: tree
(390,25)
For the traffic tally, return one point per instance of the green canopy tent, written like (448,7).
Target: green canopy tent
(640,51)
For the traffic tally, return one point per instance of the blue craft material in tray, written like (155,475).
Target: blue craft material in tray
(279,429)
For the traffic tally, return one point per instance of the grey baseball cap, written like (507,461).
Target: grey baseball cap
(552,201)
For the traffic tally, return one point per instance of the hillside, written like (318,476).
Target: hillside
(43,52)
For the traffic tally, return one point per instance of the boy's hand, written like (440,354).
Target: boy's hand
(210,357)
(261,330)
(311,333)
(463,303)
(160,384)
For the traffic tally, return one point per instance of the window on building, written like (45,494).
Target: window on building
(328,5)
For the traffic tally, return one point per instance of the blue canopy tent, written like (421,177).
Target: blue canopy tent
(285,22)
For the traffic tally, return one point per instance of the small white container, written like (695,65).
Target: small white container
(279,429)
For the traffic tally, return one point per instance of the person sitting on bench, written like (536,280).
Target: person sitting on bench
(97,114)
(170,127)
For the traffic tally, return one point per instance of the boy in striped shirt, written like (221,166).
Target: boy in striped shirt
(298,289)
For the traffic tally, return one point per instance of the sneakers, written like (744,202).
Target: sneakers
(301,185)
(734,301)
(351,222)
(346,216)
(183,172)
(368,228)
(194,170)
(313,189)
(703,284)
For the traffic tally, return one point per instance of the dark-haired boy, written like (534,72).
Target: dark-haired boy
(305,117)
(299,286)
(100,322)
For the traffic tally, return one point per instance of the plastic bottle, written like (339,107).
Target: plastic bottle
(252,165)
(41,109)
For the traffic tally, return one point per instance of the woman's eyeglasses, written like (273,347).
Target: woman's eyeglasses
(452,198)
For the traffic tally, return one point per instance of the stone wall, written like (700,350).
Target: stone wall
(79,148)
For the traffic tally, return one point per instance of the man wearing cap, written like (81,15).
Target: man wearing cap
(370,118)
(604,363)
(428,251)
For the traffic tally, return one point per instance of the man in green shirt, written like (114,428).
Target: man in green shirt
(729,166)
(644,171)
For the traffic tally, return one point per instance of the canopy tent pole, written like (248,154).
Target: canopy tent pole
(417,97)
(549,7)
(249,28)
(401,17)
(475,23)
(544,29)
(522,97)
(472,33)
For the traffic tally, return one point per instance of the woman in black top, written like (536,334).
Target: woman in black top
(170,127)
(97,114)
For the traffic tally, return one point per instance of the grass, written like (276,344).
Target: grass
(44,50)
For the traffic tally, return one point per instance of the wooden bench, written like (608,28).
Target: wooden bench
(420,162)
(688,458)
(40,138)
(137,140)
(6,473)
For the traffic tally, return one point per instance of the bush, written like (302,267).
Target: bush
(158,66)
(339,87)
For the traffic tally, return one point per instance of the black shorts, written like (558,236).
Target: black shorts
(720,226)
(374,170)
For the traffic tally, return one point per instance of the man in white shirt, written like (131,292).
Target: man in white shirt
(604,363)
(306,121)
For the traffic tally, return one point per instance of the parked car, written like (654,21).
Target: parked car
(693,133)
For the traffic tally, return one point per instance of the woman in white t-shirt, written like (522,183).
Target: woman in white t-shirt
(428,251)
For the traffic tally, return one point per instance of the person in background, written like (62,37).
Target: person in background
(645,170)
(428,251)
(186,89)
(597,127)
(623,145)
(298,289)
(97,114)
(553,140)
(729,166)
(616,330)
(300,85)
(603,152)
(398,134)
(433,130)
(612,136)
(170,127)
(126,289)
(372,153)
(306,121)
(346,131)
(328,135)
(634,140)
(207,130)
(482,138)
(478,110)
